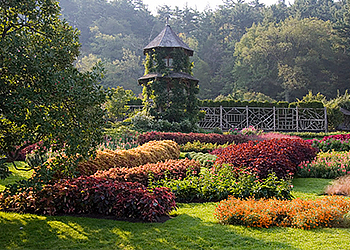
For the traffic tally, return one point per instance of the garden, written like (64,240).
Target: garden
(167,190)
(80,170)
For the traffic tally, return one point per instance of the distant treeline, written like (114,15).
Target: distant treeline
(282,50)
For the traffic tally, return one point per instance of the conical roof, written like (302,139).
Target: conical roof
(168,39)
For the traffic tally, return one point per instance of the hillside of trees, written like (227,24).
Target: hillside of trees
(282,51)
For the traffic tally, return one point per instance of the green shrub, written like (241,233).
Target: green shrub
(203,147)
(205,159)
(331,145)
(214,185)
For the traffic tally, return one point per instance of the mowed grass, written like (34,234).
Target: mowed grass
(193,226)
(16,174)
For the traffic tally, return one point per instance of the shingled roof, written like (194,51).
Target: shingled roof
(168,39)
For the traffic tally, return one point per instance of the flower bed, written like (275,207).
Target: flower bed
(327,165)
(172,169)
(339,142)
(182,138)
(89,195)
(297,213)
(151,152)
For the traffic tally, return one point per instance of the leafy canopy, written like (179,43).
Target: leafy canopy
(43,97)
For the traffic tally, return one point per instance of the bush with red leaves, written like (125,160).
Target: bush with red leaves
(182,138)
(173,169)
(90,195)
(277,155)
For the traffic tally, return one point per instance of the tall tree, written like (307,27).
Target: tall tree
(43,97)
(293,56)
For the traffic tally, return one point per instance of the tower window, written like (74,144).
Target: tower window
(168,62)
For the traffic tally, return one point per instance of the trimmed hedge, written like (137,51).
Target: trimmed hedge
(182,138)
(281,156)
(151,152)
(172,169)
(90,195)
(264,104)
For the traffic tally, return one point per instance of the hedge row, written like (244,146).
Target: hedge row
(239,103)
(182,138)
(151,152)
(90,195)
(265,104)
(173,169)
(297,213)
(281,156)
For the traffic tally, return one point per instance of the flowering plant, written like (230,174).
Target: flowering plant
(328,165)
(251,130)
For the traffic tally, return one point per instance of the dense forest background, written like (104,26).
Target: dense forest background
(282,51)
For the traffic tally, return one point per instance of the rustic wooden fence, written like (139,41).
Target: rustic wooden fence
(267,119)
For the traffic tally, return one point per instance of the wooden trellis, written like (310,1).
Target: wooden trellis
(267,119)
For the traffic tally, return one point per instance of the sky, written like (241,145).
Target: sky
(198,4)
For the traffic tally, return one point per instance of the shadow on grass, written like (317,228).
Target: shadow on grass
(183,232)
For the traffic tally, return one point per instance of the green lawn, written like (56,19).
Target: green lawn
(16,174)
(193,227)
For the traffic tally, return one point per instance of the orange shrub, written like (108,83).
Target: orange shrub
(297,213)
(172,169)
(151,152)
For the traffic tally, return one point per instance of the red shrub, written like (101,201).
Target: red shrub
(277,155)
(182,138)
(90,195)
(173,169)
(23,153)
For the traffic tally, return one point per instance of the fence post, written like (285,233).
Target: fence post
(220,117)
(274,119)
(325,120)
(247,115)
(297,118)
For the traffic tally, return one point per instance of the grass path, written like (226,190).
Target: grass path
(193,227)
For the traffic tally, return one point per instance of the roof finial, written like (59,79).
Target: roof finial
(167,20)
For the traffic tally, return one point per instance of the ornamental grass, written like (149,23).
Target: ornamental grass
(151,152)
(329,165)
(297,213)
(340,186)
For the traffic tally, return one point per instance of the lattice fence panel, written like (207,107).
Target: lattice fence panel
(268,119)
